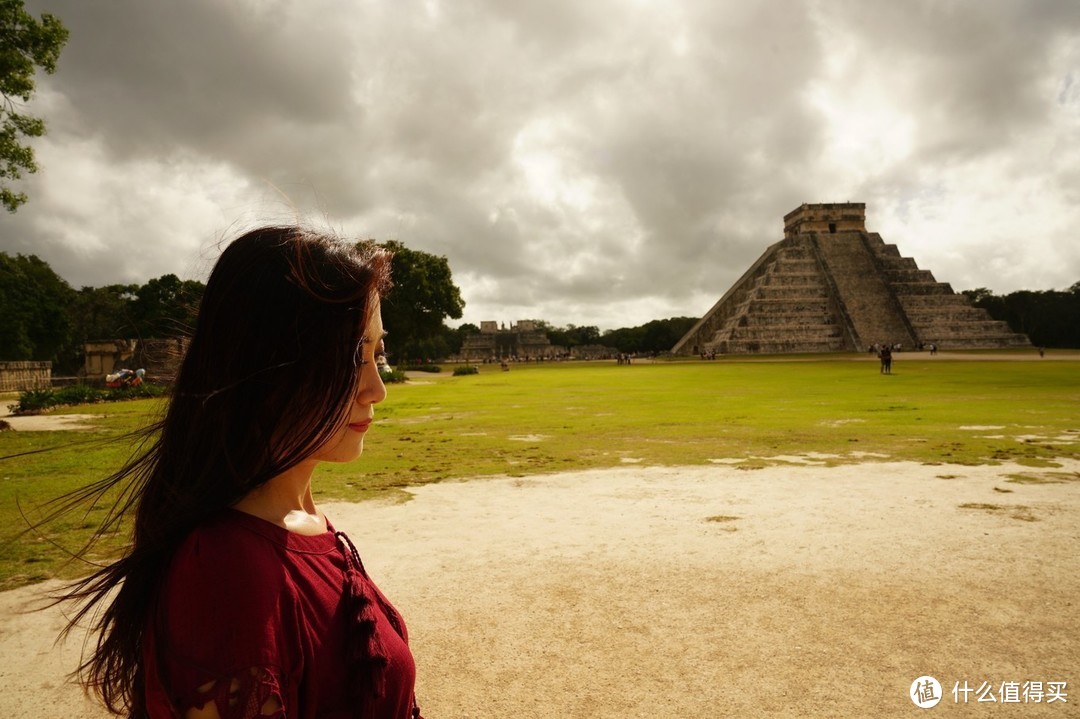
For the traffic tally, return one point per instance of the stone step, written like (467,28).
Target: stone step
(776,347)
(925,315)
(883,251)
(890,263)
(903,289)
(780,322)
(796,305)
(977,341)
(793,280)
(914,303)
(795,252)
(908,275)
(778,334)
(988,327)
(806,267)
(793,272)
(787,318)
(769,292)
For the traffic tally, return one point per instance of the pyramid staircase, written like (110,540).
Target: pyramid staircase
(839,290)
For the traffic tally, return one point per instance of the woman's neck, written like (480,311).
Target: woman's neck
(286,501)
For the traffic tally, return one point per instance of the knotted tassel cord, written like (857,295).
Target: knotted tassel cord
(366,655)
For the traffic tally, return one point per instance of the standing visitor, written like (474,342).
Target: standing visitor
(237,597)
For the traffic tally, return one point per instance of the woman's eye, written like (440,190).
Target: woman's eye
(380,359)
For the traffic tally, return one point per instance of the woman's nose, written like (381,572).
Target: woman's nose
(372,389)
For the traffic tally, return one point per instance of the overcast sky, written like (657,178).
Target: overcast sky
(594,162)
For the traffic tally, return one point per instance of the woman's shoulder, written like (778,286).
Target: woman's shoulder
(235,548)
(227,602)
(229,527)
(226,551)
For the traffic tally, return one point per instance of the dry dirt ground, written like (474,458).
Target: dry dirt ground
(50,422)
(789,591)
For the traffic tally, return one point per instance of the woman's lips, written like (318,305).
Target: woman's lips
(360,426)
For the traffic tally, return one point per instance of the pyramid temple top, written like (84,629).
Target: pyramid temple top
(830,218)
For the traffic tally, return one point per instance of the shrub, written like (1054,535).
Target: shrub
(37,400)
(466,369)
(433,368)
(76,394)
(143,391)
(33,400)
(390,375)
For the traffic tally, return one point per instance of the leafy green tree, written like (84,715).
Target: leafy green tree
(423,295)
(652,337)
(571,335)
(624,339)
(460,334)
(102,313)
(1049,318)
(25,43)
(166,307)
(979,294)
(584,335)
(661,335)
(449,342)
(34,323)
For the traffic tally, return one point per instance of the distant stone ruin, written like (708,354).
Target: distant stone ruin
(22,376)
(521,341)
(831,286)
(159,357)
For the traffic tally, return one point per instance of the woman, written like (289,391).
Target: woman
(237,597)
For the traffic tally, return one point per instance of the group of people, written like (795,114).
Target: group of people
(885,354)
(125,378)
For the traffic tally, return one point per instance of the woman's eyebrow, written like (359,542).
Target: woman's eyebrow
(367,340)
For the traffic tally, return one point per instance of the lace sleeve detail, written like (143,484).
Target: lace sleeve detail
(254,694)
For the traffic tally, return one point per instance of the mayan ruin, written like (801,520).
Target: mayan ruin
(522,340)
(831,286)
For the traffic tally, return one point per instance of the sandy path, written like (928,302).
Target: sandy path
(50,422)
(610,593)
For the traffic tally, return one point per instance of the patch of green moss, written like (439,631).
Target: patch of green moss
(1037,462)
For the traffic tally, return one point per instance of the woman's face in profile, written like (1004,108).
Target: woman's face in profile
(348,442)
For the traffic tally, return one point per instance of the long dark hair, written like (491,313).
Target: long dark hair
(267,378)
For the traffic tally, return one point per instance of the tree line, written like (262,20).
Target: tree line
(1050,318)
(43,318)
(653,337)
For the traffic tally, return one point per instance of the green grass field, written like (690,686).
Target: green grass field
(555,417)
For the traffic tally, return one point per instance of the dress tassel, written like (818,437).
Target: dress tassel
(366,656)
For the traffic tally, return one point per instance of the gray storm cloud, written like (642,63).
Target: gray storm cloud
(605,163)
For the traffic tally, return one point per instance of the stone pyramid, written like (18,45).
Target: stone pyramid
(831,286)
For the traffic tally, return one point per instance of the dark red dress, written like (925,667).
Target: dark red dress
(268,623)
